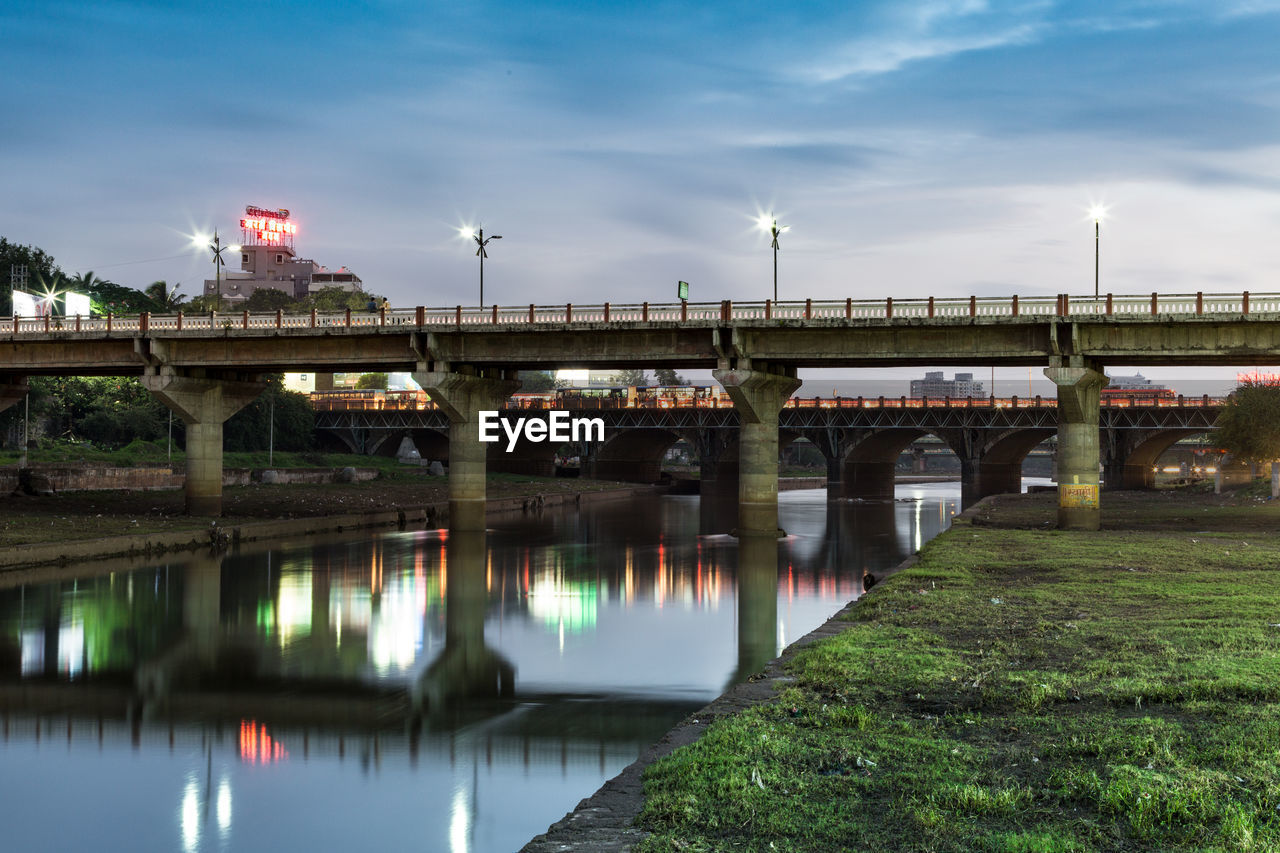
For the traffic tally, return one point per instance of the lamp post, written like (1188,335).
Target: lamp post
(1097,213)
(769,224)
(218,263)
(481,243)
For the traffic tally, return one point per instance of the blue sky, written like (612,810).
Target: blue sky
(942,147)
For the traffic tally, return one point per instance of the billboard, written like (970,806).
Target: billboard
(76,304)
(25,304)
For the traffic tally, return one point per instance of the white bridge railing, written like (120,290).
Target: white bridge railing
(1170,306)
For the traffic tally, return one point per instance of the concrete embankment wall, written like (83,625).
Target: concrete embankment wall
(218,535)
(80,478)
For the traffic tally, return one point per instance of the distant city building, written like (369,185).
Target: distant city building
(934,385)
(267,259)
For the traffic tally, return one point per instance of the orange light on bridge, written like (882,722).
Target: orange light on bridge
(258,747)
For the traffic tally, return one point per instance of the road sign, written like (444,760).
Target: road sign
(682,290)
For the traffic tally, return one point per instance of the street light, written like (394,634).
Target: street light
(218,263)
(769,224)
(1097,213)
(481,242)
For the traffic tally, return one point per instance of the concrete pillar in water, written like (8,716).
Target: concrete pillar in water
(758,396)
(463,396)
(757,603)
(204,401)
(1080,385)
(466,668)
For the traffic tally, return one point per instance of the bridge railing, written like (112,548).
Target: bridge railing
(701,313)
(372,400)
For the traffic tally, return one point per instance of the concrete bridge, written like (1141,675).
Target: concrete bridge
(860,438)
(207,367)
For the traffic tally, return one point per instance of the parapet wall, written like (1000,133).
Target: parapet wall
(79,478)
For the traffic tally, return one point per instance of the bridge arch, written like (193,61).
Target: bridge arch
(632,455)
(997,469)
(1131,464)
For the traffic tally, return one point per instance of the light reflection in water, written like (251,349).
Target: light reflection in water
(568,617)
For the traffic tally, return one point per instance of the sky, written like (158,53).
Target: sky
(913,147)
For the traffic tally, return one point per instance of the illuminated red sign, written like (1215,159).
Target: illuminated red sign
(270,227)
(1256,378)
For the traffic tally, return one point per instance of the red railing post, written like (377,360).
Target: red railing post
(848,308)
(279,318)
(1155,309)
(78,322)
(568,312)
(644,312)
(1199,303)
(684,311)
(179,322)
(531,314)
(144,322)
(420,315)
(930,307)
(109,318)
(724,311)
(244,320)
(768,309)
(1015,305)
(1066,305)
(348,318)
(888,308)
(1109,305)
(973,306)
(313,318)
(606,312)
(457,316)
(382,315)
(1245,303)
(495,313)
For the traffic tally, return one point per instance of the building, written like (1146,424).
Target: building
(268,260)
(934,385)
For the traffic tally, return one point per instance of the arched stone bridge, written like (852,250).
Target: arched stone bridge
(861,440)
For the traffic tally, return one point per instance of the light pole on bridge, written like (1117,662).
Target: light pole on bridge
(769,224)
(481,242)
(1097,213)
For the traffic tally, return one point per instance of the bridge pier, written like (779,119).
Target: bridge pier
(1079,398)
(204,402)
(463,396)
(12,390)
(758,396)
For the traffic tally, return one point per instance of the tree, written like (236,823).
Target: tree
(630,378)
(270,299)
(167,300)
(109,297)
(536,380)
(372,382)
(1249,426)
(667,376)
(335,298)
(250,429)
(37,262)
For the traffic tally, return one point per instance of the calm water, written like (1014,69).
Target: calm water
(403,691)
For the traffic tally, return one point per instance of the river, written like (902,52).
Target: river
(409,690)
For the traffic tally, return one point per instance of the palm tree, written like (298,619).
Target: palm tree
(168,300)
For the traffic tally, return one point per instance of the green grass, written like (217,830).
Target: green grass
(1019,690)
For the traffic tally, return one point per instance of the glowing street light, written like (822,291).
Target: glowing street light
(481,242)
(769,224)
(1097,213)
(218,262)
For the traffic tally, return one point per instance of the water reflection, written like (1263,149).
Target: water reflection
(404,689)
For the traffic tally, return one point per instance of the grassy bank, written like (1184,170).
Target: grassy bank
(1020,689)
